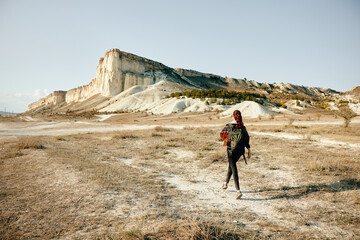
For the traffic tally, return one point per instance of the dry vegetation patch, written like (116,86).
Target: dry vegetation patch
(30,142)
(321,175)
(14,148)
(303,127)
(184,230)
(95,175)
(124,135)
(115,186)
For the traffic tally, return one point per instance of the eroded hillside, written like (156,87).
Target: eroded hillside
(138,83)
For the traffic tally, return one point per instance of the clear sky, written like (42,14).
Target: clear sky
(55,45)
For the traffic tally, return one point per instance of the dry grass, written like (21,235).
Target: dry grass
(100,174)
(29,142)
(111,186)
(305,155)
(14,149)
(8,153)
(335,132)
(11,119)
(183,230)
(162,129)
(59,138)
(218,156)
(124,135)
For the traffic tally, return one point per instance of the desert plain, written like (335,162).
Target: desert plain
(145,176)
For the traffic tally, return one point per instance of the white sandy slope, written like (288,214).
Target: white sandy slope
(135,98)
(355,107)
(283,110)
(332,106)
(198,106)
(152,99)
(293,104)
(248,109)
(171,105)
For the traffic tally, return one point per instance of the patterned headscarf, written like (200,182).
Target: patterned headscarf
(238,118)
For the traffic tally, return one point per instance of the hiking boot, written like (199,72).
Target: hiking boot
(224,186)
(239,195)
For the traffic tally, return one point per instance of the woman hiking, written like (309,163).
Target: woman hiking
(236,138)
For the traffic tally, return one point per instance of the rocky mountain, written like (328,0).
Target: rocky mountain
(354,92)
(126,81)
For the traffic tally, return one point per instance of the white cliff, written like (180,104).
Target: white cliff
(53,98)
(118,71)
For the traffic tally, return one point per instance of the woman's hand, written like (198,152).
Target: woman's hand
(249,153)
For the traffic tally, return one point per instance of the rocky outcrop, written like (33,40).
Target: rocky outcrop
(53,98)
(118,71)
(82,93)
(192,73)
(354,92)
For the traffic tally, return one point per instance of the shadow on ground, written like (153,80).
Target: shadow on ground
(298,192)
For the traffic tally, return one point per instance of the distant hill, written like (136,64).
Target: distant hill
(355,91)
(125,81)
(6,114)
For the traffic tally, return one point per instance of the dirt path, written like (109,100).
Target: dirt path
(68,128)
(259,204)
(316,139)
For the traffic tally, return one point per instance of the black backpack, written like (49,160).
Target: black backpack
(237,141)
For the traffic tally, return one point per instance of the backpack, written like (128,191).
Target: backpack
(237,142)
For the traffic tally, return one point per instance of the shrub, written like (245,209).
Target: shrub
(29,142)
(347,114)
(223,94)
(154,134)
(124,135)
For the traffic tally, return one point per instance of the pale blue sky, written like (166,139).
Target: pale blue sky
(55,45)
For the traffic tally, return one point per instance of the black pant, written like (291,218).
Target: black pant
(232,170)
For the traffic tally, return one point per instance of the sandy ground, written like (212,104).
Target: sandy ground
(276,199)
(76,127)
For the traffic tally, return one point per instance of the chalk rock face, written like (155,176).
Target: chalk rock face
(116,72)
(53,98)
(82,93)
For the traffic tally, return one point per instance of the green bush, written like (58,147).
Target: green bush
(233,96)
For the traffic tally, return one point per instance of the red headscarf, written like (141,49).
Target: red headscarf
(238,119)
